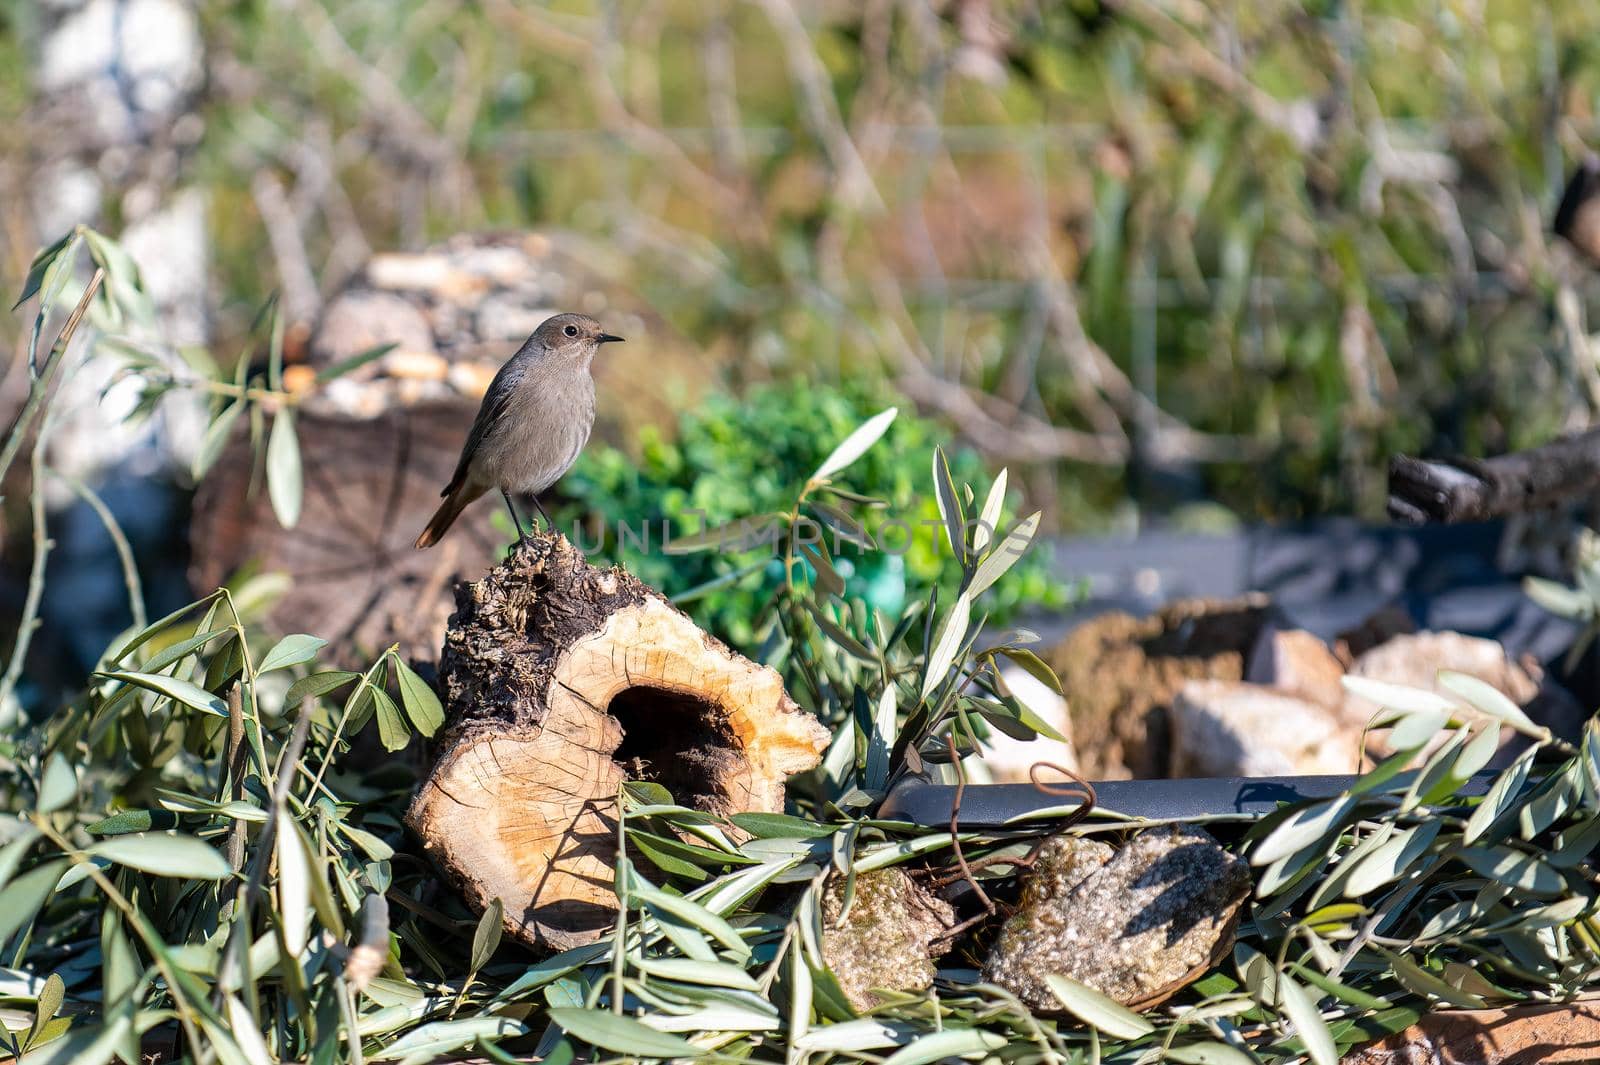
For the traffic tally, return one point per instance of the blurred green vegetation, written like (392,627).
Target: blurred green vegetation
(1160,251)
(731,460)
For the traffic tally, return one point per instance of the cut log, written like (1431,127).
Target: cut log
(1438,490)
(561,681)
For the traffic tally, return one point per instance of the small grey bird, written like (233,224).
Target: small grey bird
(534,420)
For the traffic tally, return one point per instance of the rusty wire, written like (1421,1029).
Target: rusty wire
(1075,785)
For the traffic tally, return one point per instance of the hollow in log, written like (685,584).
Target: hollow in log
(563,680)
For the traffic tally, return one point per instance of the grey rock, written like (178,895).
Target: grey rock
(1135,924)
(1228,729)
(887,939)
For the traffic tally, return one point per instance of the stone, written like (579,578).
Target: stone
(1379,627)
(1123,672)
(1416,660)
(1136,925)
(888,939)
(1010,761)
(1229,729)
(1297,663)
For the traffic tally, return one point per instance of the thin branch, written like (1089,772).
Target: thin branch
(41,554)
(1456,490)
(119,540)
(41,384)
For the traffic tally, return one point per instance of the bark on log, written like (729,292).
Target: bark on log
(1422,491)
(562,680)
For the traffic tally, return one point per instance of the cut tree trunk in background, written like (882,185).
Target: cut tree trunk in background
(1422,490)
(353,575)
(562,680)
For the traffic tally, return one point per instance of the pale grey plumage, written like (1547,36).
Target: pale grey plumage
(534,420)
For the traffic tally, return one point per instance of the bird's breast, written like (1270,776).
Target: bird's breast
(545,429)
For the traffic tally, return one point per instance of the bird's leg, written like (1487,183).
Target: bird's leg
(549,526)
(516,519)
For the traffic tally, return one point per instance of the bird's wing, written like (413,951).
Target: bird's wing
(495,402)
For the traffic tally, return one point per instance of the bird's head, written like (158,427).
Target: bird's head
(571,336)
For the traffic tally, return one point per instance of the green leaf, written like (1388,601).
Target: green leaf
(611,1031)
(317,685)
(1476,754)
(868,1033)
(1096,1009)
(1415,730)
(283,469)
(880,740)
(781,826)
(42,263)
(122,286)
(1507,866)
(354,362)
(1502,793)
(950,511)
(121,968)
(1035,667)
(1004,555)
(1420,981)
(486,938)
(1558,599)
(1400,697)
(215,438)
(293,887)
(422,705)
(25,895)
(124,821)
(1208,1054)
(989,519)
(1492,701)
(59,786)
(553,968)
(1391,859)
(855,445)
(437,1039)
(15,850)
(1308,1023)
(51,996)
(692,913)
(190,695)
(292,650)
(691,971)
(164,854)
(392,729)
(950,1043)
(951,633)
(1302,829)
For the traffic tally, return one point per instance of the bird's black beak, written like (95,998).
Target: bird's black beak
(607,338)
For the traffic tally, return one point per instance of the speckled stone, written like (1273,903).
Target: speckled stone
(1133,923)
(886,941)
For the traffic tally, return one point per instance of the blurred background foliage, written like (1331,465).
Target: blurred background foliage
(731,460)
(1141,253)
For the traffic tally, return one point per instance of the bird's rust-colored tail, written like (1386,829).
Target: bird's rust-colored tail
(455,501)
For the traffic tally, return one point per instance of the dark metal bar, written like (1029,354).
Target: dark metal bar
(992,805)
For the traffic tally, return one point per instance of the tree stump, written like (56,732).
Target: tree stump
(561,681)
(355,579)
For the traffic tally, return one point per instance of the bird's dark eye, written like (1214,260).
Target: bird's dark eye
(571,330)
